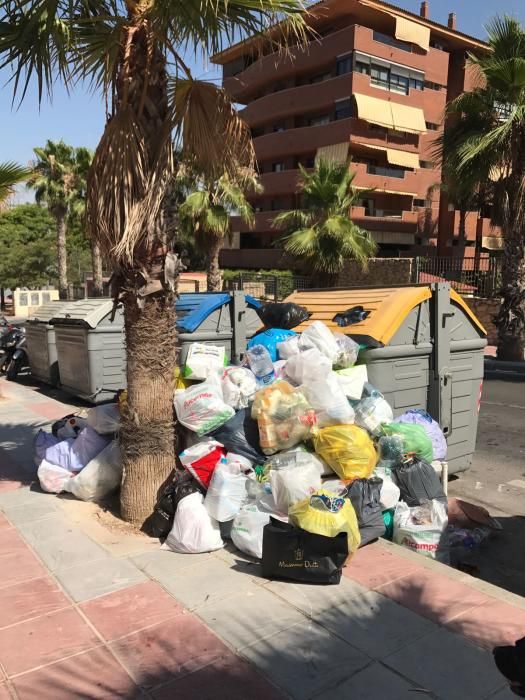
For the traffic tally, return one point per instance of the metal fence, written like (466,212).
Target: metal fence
(468,276)
(268,287)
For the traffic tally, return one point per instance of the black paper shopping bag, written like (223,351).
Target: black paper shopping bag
(292,553)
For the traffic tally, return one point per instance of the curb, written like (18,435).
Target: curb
(499,369)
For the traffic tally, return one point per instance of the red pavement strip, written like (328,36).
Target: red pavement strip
(112,646)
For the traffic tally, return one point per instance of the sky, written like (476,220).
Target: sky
(78,118)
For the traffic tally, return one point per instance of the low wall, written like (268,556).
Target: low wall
(485,310)
(380,272)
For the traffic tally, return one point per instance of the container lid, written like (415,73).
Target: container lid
(85,312)
(193,309)
(388,307)
(44,313)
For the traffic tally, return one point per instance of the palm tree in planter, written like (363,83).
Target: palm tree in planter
(58,184)
(206,212)
(489,132)
(126,48)
(322,233)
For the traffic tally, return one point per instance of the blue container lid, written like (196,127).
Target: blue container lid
(193,309)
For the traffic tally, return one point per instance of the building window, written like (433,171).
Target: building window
(276,205)
(420,202)
(438,45)
(379,129)
(416,84)
(344,65)
(432,127)
(318,121)
(429,85)
(379,76)
(427,164)
(391,41)
(257,131)
(278,167)
(386,171)
(362,67)
(279,127)
(343,109)
(398,83)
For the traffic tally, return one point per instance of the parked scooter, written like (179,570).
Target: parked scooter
(14,358)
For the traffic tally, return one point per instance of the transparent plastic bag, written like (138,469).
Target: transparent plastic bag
(415,439)
(101,476)
(284,416)
(423,529)
(372,412)
(288,348)
(104,419)
(324,514)
(348,450)
(193,530)
(293,484)
(247,529)
(226,491)
(348,351)
(53,479)
(420,417)
(238,386)
(203,360)
(328,400)
(352,381)
(307,365)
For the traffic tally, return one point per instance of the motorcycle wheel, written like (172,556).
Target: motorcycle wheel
(13,369)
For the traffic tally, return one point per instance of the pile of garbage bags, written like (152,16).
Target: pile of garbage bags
(297,459)
(81,455)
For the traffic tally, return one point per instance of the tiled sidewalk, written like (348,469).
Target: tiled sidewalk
(78,622)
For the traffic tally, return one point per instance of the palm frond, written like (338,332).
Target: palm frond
(10,175)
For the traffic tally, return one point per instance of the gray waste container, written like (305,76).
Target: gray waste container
(90,349)
(423,349)
(41,344)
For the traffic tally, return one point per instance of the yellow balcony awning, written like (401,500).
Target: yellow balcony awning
(402,158)
(411,119)
(412,32)
(374,110)
(336,153)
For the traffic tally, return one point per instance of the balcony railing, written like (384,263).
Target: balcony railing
(385,171)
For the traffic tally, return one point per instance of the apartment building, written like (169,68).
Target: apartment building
(371,85)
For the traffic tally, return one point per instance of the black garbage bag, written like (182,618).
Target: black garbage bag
(283,315)
(292,553)
(160,521)
(365,495)
(418,482)
(354,315)
(510,662)
(241,435)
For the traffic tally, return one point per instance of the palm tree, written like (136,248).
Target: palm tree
(10,175)
(488,130)
(206,212)
(125,49)
(56,184)
(322,232)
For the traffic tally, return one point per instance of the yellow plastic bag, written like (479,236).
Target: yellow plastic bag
(348,450)
(313,516)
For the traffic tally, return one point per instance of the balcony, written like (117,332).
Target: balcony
(416,183)
(386,220)
(320,53)
(263,223)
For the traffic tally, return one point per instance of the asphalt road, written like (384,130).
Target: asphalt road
(496,480)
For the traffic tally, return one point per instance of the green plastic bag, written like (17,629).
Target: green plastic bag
(388,519)
(415,439)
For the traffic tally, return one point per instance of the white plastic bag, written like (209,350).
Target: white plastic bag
(52,479)
(100,477)
(201,459)
(203,360)
(328,400)
(193,530)
(390,492)
(104,419)
(247,529)
(201,408)
(291,485)
(309,364)
(288,348)
(319,336)
(69,427)
(43,440)
(74,454)
(226,492)
(352,381)
(372,412)
(298,456)
(423,529)
(238,386)
(348,351)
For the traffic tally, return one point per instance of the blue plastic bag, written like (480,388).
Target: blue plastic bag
(420,417)
(270,339)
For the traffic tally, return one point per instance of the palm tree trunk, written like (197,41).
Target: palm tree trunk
(96,263)
(213,270)
(147,434)
(510,320)
(61,223)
